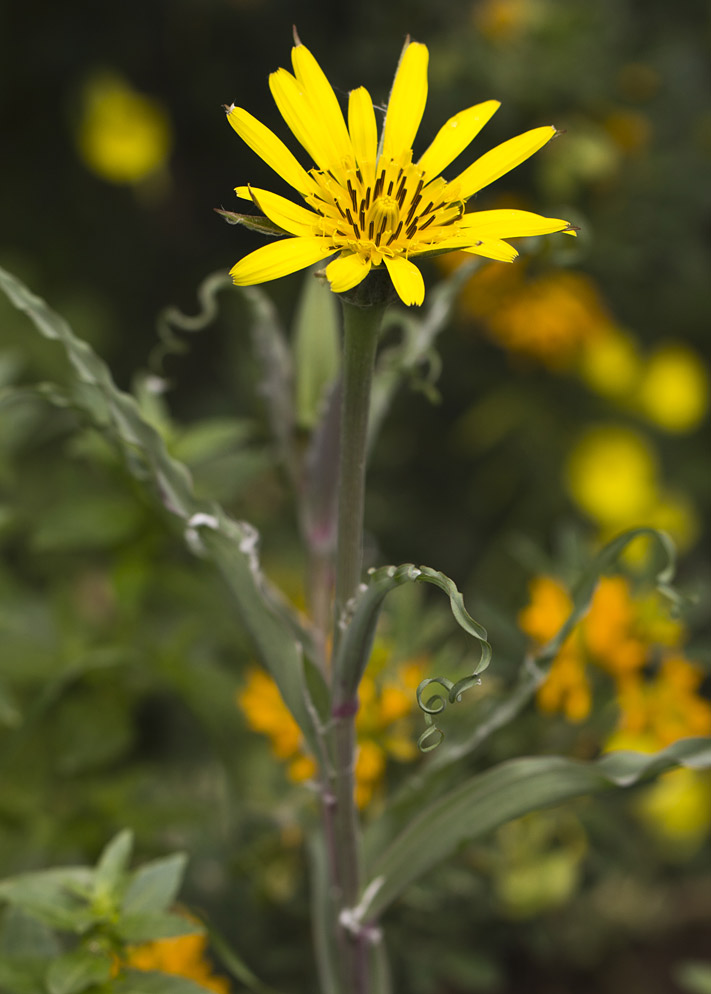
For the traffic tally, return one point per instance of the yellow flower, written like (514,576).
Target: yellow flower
(266,712)
(183,956)
(621,634)
(612,475)
(366,199)
(611,364)
(383,724)
(124,136)
(674,392)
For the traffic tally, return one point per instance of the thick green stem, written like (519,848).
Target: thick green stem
(360,339)
(361,329)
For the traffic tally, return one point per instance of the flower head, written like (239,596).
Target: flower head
(365,197)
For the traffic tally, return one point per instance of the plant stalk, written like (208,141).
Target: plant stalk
(360,339)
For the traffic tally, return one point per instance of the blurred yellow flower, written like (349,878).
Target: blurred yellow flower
(612,475)
(383,723)
(622,635)
(654,713)
(674,391)
(678,807)
(182,956)
(266,713)
(501,21)
(123,136)
(548,317)
(610,363)
(630,130)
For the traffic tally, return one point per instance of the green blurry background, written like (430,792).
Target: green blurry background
(120,656)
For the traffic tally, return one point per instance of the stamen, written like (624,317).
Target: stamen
(354,199)
(394,234)
(428,222)
(413,207)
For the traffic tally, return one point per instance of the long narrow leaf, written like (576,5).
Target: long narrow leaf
(275,629)
(501,794)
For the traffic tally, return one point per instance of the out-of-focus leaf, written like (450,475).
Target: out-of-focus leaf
(24,975)
(57,897)
(211,438)
(22,935)
(316,349)
(239,970)
(694,977)
(77,970)
(505,792)
(148,926)
(154,886)
(112,865)
(99,521)
(151,982)
(275,628)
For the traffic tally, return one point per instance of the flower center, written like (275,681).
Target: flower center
(384,209)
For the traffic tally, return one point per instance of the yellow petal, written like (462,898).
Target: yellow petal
(279,259)
(363,128)
(454,136)
(492,248)
(510,224)
(347,271)
(291,217)
(270,148)
(323,101)
(407,280)
(501,160)
(407,101)
(296,111)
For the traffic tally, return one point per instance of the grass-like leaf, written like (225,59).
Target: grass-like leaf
(501,794)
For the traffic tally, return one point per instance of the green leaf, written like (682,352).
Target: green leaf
(22,976)
(354,650)
(235,965)
(22,935)
(147,926)
(77,970)
(152,982)
(501,794)
(154,886)
(276,629)
(57,897)
(255,222)
(316,349)
(112,865)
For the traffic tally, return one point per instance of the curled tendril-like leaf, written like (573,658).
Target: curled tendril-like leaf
(436,705)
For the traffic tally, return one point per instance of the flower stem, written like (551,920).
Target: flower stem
(360,339)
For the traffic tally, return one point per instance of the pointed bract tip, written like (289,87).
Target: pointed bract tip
(558,131)
(228,108)
(297,40)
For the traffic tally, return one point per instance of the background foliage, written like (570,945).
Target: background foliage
(121,660)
